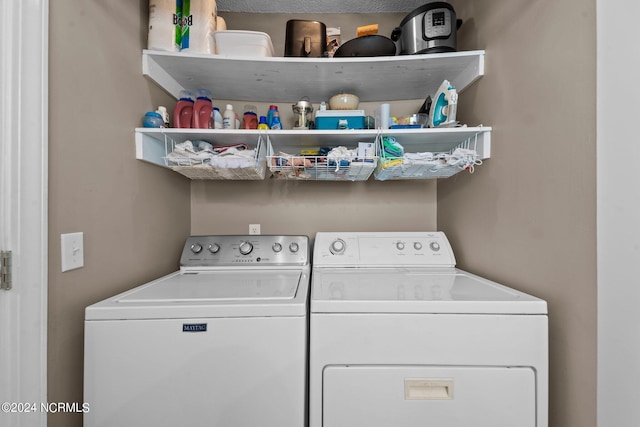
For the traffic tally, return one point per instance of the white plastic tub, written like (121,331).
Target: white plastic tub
(244,44)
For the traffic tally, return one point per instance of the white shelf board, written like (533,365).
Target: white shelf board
(152,145)
(278,79)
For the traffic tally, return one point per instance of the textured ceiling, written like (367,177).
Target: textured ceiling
(317,6)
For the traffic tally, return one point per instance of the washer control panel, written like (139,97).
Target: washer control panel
(235,250)
(373,249)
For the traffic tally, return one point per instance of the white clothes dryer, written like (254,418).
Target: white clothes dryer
(400,337)
(221,342)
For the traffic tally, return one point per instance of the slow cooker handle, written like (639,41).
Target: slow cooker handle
(395,34)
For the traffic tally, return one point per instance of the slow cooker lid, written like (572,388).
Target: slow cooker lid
(424,8)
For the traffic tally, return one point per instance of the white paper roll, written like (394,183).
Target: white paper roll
(199,23)
(164,25)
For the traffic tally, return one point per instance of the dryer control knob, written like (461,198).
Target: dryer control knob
(294,247)
(214,248)
(245,248)
(196,248)
(277,247)
(417,246)
(435,246)
(400,246)
(337,247)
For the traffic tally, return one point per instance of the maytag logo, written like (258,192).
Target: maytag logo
(194,327)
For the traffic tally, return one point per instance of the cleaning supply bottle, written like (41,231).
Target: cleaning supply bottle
(263,123)
(272,108)
(250,118)
(276,123)
(183,113)
(229,118)
(217,118)
(202,110)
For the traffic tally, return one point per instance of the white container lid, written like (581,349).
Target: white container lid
(243,44)
(339,113)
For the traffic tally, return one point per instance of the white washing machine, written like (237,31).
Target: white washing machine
(400,337)
(222,342)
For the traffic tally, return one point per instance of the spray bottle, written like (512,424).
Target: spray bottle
(183,113)
(445,105)
(202,110)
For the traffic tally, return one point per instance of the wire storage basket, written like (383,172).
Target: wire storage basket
(196,160)
(337,164)
(396,163)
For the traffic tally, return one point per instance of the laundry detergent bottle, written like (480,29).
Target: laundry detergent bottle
(202,110)
(183,113)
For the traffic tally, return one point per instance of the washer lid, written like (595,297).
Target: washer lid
(210,294)
(417,290)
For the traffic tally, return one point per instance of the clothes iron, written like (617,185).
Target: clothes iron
(444,107)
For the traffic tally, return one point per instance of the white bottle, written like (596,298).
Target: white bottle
(229,118)
(165,115)
(217,118)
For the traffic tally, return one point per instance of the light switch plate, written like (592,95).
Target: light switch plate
(72,250)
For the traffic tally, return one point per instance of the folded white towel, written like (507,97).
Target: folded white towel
(419,157)
(233,158)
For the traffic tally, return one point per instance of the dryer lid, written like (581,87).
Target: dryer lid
(417,290)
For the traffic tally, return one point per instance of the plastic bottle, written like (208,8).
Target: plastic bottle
(250,118)
(152,119)
(272,109)
(217,118)
(165,115)
(276,124)
(229,118)
(202,110)
(263,123)
(183,113)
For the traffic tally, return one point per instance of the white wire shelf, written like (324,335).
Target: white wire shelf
(427,165)
(154,144)
(345,167)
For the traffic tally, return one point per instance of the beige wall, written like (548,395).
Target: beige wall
(134,216)
(308,207)
(523,218)
(527,216)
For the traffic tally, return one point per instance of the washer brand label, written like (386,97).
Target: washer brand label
(194,327)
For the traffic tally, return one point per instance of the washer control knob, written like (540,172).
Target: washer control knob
(277,247)
(196,248)
(337,247)
(294,247)
(400,246)
(245,248)
(435,246)
(214,248)
(417,246)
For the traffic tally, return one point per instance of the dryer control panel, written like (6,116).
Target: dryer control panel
(383,249)
(250,250)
